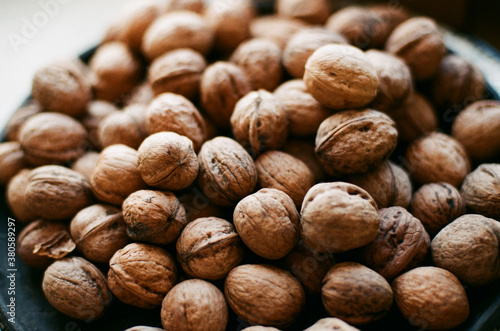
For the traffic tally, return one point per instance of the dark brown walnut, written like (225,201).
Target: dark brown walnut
(168,161)
(99,231)
(341,77)
(437,157)
(196,6)
(141,94)
(436,205)
(16,199)
(468,247)
(116,174)
(42,242)
(260,60)
(389,185)
(431,298)
(153,216)
(268,223)
(197,205)
(86,164)
(209,248)
(331,323)
(141,275)
(61,87)
(276,28)
(76,288)
(477,127)
(173,112)
(355,141)
(97,110)
(57,193)
(401,243)
(481,190)
(355,293)
(11,160)
(20,116)
(52,138)
(395,81)
(420,44)
(264,295)
(177,29)
(337,217)
(194,304)
(286,173)
(304,151)
(303,112)
(227,172)
(259,122)
(309,267)
(143,328)
(178,71)
(222,85)
(314,12)
(120,127)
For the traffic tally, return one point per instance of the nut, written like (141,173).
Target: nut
(16,199)
(331,323)
(20,116)
(11,160)
(120,127)
(304,151)
(97,110)
(197,205)
(276,28)
(315,12)
(481,192)
(86,164)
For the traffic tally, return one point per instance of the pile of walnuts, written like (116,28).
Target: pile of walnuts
(201,137)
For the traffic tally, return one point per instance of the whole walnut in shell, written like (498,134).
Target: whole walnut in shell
(16,199)
(303,150)
(120,127)
(86,164)
(11,160)
(264,295)
(331,323)
(481,191)
(355,293)
(20,116)
(97,110)
(276,28)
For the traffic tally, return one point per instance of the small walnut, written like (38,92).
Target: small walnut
(260,60)
(11,160)
(286,173)
(76,288)
(97,110)
(57,193)
(227,172)
(431,298)
(341,77)
(437,158)
(120,127)
(209,248)
(153,216)
(268,223)
(264,294)
(401,243)
(177,29)
(436,205)
(194,304)
(141,275)
(276,28)
(337,217)
(481,190)
(355,141)
(20,116)
(331,323)
(86,164)
(42,242)
(16,199)
(99,231)
(315,12)
(419,43)
(52,138)
(304,151)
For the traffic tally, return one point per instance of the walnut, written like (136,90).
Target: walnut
(419,43)
(331,323)
(315,12)
(355,141)
(57,193)
(392,15)
(276,28)
(153,216)
(436,205)
(268,223)
(401,243)
(20,116)
(431,298)
(355,293)
(42,242)
(304,151)
(259,122)
(52,138)
(284,172)
(389,185)
(97,110)
(260,60)
(227,172)
(11,160)
(209,248)
(481,191)
(341,77)
(16,199)
(264,294)
(194,304)
(86,164)
(337,217)
(76,288)
(141,94)
(120,127)
(99,231)
(437,158)
(177,29)
(197,205)
(141,275)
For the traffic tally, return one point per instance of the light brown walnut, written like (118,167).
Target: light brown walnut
(303,150)
(86,164)
(97,110)
(120,127)
(481,190)
(20,116)
(16,198)
(11,160)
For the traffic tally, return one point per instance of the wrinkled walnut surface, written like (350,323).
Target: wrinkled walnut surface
(481,190)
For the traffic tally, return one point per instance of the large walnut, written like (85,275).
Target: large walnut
(11,160)
(481,190)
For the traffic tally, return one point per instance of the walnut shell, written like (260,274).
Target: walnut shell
(16,198)
(264,294)
(97,110)
(20,116)
(86,164)
(197,205)
(76,288)
(341,77)
(315,12)
(276,28)
(194,304)
(481,190)
(431,298)
(141,275)
(209,248)
(370,301)
(120,127)
(331,323)
(11,160)
(304,151)
(337,217)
